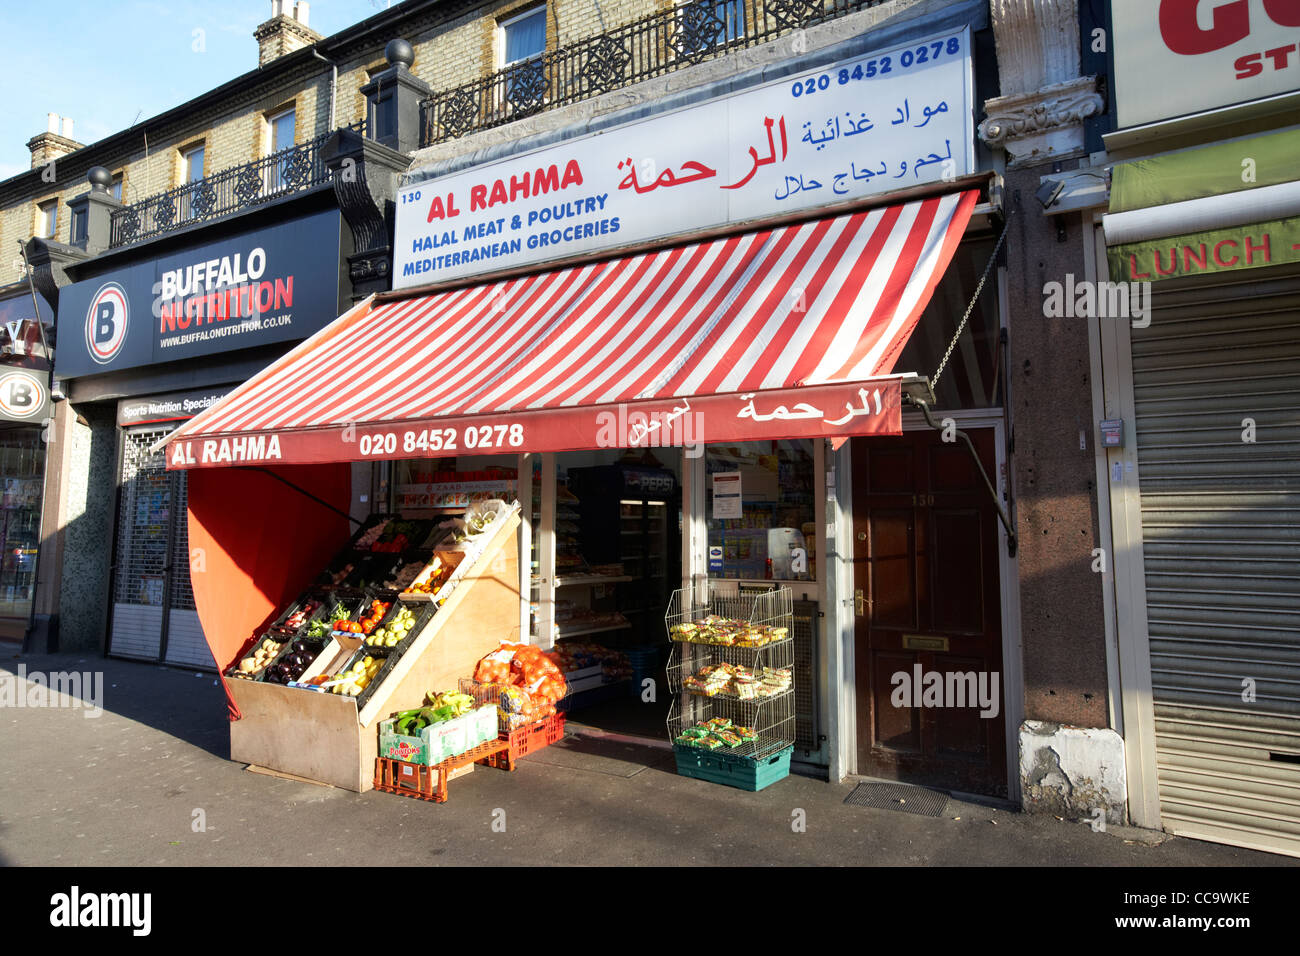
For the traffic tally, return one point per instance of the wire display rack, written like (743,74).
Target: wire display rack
(733,657)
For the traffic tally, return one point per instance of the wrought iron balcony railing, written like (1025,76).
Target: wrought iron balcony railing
(652,46)
(280,174)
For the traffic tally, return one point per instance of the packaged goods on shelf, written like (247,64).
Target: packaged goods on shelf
(716,629)
(747,683)
(571,656)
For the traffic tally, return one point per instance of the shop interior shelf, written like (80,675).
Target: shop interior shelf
(579,580)
(563,632)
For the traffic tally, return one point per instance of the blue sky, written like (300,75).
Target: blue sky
(105,63)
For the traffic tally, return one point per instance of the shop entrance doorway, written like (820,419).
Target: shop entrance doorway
(928,622)
(154,617)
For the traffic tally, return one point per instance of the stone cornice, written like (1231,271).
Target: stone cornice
(1053,107)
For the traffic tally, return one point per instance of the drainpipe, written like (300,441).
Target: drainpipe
(334,82)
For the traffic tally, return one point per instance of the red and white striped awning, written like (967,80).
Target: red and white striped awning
(785,332)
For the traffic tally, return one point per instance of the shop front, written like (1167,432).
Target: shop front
(674,409)
(1201,243)
(153,335)
(1204,407)
(25,411)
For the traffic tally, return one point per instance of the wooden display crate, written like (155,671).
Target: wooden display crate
(324,737)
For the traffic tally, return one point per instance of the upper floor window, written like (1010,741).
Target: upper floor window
(703,25)
(115,189)
(192,164)
(281,129)
(47,219)
(523,37)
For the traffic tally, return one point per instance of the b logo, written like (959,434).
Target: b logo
(21,395)
(106,321)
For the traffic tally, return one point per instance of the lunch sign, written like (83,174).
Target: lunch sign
(870,125)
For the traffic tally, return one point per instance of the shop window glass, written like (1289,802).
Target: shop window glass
(22,469)
(762,519)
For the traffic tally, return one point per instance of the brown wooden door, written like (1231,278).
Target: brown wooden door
(926,563)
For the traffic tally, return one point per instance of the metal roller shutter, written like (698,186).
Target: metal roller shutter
(143,517)
(1221,547)
(153,602)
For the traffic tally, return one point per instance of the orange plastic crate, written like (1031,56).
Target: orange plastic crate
(527,739)
(430,783)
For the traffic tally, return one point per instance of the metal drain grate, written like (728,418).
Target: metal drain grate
(897,796)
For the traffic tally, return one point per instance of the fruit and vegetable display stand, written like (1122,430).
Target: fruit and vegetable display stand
(385,630)
(731,670)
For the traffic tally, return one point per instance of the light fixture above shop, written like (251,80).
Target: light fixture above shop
(1049,192)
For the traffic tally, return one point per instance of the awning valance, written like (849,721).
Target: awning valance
(785,332)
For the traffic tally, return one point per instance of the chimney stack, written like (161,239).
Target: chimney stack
(285,32)
(52,144)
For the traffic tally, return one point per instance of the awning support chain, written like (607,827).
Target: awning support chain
(943,362)
(997,503)
(303,491)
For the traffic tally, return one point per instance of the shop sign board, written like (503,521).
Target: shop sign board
(1249,246)
(24,395)
(20,333)
(814,411)
(865,126)
(1175,57)
(278,284)
(169,407)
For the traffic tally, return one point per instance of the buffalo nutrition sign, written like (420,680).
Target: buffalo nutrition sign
(275,285)
(865,126)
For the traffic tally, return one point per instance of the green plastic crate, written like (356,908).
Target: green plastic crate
(744,773)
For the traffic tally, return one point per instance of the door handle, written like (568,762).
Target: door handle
(860,602)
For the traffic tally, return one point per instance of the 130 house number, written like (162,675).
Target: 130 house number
(443,439)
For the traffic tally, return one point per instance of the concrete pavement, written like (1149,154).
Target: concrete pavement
(129,787)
